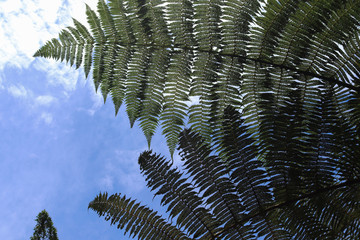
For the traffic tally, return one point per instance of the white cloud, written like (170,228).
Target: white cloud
(47,118)
(25,25)
(59,73)
(18,91)
(44,100)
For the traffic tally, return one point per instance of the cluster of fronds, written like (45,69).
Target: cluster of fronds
(226,191)
(287,166)
(153,55)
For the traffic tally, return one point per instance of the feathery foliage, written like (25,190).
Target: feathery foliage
(283,161)
(229,190)
(155,54)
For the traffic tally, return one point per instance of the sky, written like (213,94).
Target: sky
(60,145)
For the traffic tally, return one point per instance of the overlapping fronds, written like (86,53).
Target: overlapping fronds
(287,166)
(155,54)
(229,189)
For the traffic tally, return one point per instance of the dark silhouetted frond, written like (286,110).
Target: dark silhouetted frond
(137,220)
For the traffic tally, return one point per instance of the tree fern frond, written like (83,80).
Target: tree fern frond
(121,21)
(88,58)
(207,18)
(346,65)
(121,61)
(139,25)
(136,219)
(107,77)
(269,25)
(95,26)
(344,20)
(153,95)
(181,13)
(176,94)
(205,74)
(157,23)
(209,174)
(98,67)
(182,200)
(107,21)
(83,31)
(235,25)
(136,82)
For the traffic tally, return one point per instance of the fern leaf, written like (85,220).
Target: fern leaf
(83,31)
(176,94)
(121,21)
(181,13)
(182,200)
(107,21)
(209,174)
(95,26)
(136,219)
(153,95)
(136,82)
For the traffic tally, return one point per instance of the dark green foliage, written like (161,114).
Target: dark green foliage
(44,229)
(283,160)
(230,190)
(156,54)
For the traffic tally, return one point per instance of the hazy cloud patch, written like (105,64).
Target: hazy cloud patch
(44,100)
(18,91)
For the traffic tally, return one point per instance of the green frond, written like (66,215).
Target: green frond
(235,25)
(121,21)
(122,58)
(181,198)
(83,31)
(210,175)
(139,25)
(153,95)
(137,220)
(154,19)
(95,26)
(88,58)
(136,82)
(107,21)
(107,78)
(181,13)
(176,94)
(98,64)
(207,18)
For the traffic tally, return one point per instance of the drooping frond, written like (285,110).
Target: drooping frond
(155,55)
(304,185)
(137,220)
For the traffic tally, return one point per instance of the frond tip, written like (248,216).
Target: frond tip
(134,218)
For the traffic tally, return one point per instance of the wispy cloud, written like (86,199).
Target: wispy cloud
(45,100)
(18,91)
(25,25)
(122,170)
(47,118)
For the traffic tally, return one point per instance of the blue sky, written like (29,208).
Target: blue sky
(59,144)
